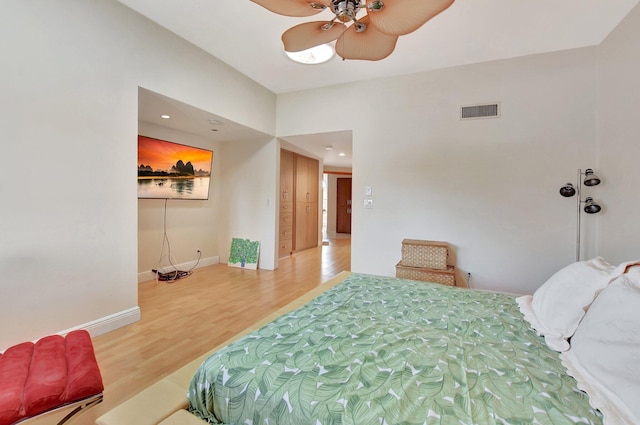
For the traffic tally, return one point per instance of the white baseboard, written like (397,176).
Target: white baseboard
(204,262)
(108,323)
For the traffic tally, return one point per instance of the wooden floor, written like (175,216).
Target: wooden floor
(185,319)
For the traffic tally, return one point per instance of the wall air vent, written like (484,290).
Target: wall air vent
(489,110)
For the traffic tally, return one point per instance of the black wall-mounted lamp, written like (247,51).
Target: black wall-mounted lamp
(590,207)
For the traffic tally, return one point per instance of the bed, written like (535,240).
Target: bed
(381,350)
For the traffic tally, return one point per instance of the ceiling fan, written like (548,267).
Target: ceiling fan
(372,36)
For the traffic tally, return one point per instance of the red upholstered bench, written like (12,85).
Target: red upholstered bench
(54,372)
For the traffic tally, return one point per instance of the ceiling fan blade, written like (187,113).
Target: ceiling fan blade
(294,7)
(369,44)
(310,34)
(400,17)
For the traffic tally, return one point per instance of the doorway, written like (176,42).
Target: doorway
(343,205)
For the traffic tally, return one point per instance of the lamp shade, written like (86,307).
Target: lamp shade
(567,190)
(591,207)
(590,179)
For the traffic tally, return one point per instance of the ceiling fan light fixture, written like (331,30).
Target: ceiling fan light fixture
(345,10)
(401,17)
(317,6)
(370,45)
(375,6)
(310,34)
(296,8)
(327,26)
(313,56)
(371,37)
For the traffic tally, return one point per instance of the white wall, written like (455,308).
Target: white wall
(488,187)
(619,141)
(68,121)
(249,197)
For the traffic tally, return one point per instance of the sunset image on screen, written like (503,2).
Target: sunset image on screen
(168,170)
(161,155)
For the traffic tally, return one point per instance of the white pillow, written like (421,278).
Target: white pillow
(556,308)
(605,351)
(625,267)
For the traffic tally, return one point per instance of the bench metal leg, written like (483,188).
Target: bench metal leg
(85,404)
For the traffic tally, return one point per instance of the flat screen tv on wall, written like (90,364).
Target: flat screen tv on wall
(168,170)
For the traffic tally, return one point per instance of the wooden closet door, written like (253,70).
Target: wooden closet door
(313,180)
(313,184)
(287,195)
(306,202)
(302,225)
(312,230)
(302,178)
(286,176)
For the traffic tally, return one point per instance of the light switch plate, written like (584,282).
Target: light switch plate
(368,191)
(368,203)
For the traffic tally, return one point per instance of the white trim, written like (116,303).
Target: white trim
(204,262)
(108,323)
(102,325)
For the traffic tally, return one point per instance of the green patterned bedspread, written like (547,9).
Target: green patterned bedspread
(379,350)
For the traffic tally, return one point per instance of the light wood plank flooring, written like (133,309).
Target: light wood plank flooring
(185,319)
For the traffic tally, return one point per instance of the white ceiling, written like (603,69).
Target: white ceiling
(152,106)
(247,37)
(186,118)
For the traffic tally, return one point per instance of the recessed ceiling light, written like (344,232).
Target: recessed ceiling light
(328,148)
(313,56)
(342,154)
(215,122)
(165,116)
